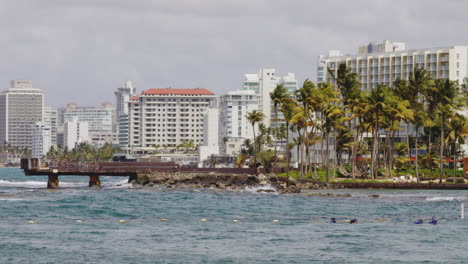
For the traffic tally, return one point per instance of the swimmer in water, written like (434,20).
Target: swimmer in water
(433,221)
(333,221)
(420,221)
(354,221)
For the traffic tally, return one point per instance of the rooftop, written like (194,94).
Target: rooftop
(195,91)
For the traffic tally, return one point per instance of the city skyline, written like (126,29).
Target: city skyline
(76,48)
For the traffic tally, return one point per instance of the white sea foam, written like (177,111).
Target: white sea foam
(12,199)
(38,184)
(123,184)
(255,189)
(438,199)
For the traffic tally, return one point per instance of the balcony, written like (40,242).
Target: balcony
(444,58)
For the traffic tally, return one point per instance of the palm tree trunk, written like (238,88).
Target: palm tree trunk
(255,147)
(441,164)
(416,155)
(326,158)
(375,147)
(287,150)
(354,154)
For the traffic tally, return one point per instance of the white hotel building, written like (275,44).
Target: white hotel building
(21,107)
(382,63)
(234,127)
(41,140)
(167,117)
(263,84)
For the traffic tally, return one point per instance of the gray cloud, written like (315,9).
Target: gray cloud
(81,50)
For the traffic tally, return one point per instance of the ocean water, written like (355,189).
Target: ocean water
(385,233)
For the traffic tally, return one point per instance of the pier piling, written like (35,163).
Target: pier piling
(94,181)
(53,181)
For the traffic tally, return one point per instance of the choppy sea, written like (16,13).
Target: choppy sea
(120,223)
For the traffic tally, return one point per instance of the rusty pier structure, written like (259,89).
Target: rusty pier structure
(94,170)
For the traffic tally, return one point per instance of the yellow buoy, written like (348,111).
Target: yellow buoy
(275,221)
(235,221)
(381,221)
(313,221)
(203,220)
(122,221)
(30,222)
(162,220)
(346,221)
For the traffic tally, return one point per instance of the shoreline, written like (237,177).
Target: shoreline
(230,181)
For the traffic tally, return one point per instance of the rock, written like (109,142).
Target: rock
(292,181)
(265,190)
(373,195)
(221,185)
(344,195)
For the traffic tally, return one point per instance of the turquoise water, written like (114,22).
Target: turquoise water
(57,237)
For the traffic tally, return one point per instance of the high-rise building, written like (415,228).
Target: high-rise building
(384,62)
(234,127)
(21,107)
(98,118)
(122,97)
(123,131)
(50,120)
(167,117)
(75,132)
(263,84)
(41,140)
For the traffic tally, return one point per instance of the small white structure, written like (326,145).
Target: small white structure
(210,136)
(41,140)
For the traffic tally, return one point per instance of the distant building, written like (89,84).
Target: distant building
(167,117)
(122,98)
(384,62)
(75,132)
(99,139)
(21,107)
(100,119)
(234,127)
(41,140)
(50,120)
(210,136)
(123,131)
(263,84)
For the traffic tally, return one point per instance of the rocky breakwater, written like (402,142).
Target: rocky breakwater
(197,180)
(232,181)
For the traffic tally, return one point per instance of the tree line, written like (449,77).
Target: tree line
(366,125)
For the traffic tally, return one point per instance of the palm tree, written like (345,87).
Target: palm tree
(419,82)
(277,97)
(445,95)
(287,108)
(375,110)
(255,117)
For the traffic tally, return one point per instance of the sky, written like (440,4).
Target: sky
(82,50)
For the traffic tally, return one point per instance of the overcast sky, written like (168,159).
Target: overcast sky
(82,50)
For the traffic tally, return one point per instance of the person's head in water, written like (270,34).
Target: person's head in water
(333,220)
(354,221)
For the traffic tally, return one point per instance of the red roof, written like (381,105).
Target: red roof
(134,98)
(196,91)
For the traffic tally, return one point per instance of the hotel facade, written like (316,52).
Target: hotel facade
(384,62)
(167,117)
